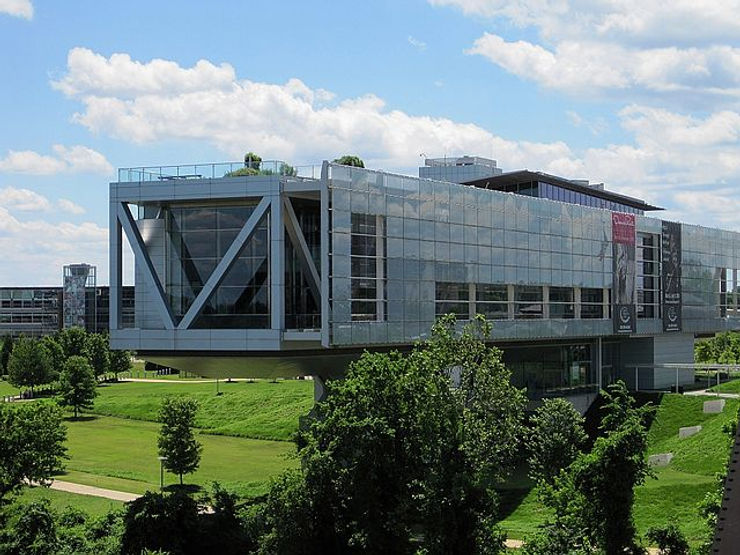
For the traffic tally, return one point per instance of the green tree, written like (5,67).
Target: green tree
(669,539)
(72,341)
(408,446)
(120,361)
(593,498)
(556,439)
(252,160)
(77,384)
(177,440)
(56,355)
(29,364)
(350,160)
(32,438)
(7,348)
(97,353)
(32,531)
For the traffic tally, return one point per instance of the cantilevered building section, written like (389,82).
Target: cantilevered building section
(298,270)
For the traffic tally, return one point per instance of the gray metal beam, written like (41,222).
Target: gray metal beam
(325,254)
(301,247)
(142,256)
(277,265)
(115,267)
(219,272)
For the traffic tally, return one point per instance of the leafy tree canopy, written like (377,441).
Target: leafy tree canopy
(97,353)
(177,440)
(32,438)
(73,341)
(350,160)
(77,384)
(29,364)
(408,446)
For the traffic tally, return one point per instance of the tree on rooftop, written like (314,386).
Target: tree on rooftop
(252,160)
(350,160)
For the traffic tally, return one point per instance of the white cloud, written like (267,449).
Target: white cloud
(43,248)
(17,8)
(24,200)
(66,205)
(74,159)
(416,43)
(669,150)
(586,66)
(685,48)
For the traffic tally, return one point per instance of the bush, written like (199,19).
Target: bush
(669,539)
(350,160)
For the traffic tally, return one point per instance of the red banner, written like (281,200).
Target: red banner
(623,228)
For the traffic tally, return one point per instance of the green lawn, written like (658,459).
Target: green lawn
(121,454)
(60,500)
(7,389)
(674,495)
(260,409)
(733,386)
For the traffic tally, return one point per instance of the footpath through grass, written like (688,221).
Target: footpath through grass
(672,497)
(61,500)
(259,410)
(121,454)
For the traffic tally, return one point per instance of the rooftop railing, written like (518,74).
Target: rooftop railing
(217,170)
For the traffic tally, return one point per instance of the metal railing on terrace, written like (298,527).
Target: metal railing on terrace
(216,170)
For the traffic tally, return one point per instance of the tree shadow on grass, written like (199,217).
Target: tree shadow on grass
(81,418)
(190,489)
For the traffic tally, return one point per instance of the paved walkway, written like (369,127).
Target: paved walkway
(714,394)
(69,487)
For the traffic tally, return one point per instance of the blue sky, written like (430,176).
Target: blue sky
(643,97)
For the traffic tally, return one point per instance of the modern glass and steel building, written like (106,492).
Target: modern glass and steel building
(297,271)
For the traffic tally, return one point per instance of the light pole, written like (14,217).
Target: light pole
(161,472)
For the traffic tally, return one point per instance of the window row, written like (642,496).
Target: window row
(521,302)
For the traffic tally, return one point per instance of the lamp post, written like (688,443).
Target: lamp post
(161,472)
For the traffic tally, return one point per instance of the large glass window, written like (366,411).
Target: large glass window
(198,238)
(453,297)
(592,303)
(527,302)
(492,301)
(368,267)
(561,302)
(648,276)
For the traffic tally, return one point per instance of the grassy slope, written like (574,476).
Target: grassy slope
(733,386)
(7,389)
(674,495)
(121,454)
(261,409)
(60,500)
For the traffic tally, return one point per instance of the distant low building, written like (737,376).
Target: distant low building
(40,311)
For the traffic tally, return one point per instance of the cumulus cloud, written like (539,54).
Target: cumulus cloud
(66,205)
(74,159)
(44,247)
(17,8)
(669,151)
(684,48)
(24,200)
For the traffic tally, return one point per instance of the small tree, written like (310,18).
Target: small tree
(96,351)
(29,365)
(77,384)
(32,438)
(556,439)
(177,440)
(56,356)
(350,160)
(32,531)
(120,361)
(252,160)
(72,341)
(5,351)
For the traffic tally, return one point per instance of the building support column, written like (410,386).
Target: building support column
(115,262)
(277,264)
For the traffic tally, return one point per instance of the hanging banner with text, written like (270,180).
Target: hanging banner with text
(623,240)
(671,276)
